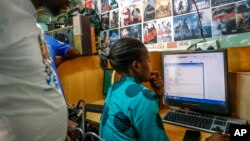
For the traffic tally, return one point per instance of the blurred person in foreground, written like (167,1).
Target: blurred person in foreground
(30,95)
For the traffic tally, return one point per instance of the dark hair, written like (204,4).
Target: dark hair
(122,54)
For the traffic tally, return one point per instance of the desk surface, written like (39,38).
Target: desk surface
(175,133)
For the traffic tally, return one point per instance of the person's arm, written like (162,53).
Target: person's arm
(65,51)
(70,54)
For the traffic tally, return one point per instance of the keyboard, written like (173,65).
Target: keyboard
(201,121)
(93,108)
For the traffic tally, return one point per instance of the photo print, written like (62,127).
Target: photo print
(114,19)
(105,5)
(131,15)
(243,16)
(150,32)
(113,36)
(188,27)
(164,30)
(149,10)
(181,7)
(104,39)
(221,2)
(113,4)
(163,8)
(125,32)
(224,20)
(135,32)
(201,4)
(105,20)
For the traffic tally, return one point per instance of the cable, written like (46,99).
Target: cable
(201,27)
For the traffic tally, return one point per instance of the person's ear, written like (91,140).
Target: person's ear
(135,66)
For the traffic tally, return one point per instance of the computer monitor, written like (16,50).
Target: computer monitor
(107,80)
(196,80)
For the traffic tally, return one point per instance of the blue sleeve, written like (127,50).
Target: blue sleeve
(59,48)
(147,121)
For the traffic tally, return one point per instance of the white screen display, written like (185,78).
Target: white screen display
(195,76)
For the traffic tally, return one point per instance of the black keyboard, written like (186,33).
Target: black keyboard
(93,108)
(201,121)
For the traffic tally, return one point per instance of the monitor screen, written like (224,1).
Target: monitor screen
(107,80)
(196,80)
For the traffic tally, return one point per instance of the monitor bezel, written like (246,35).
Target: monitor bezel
(200,107)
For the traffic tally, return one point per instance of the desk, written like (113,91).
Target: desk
(175,133)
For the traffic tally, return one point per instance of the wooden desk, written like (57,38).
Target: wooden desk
(175,133)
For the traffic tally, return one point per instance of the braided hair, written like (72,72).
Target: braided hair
(122,54)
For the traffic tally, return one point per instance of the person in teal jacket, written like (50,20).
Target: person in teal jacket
(131,111)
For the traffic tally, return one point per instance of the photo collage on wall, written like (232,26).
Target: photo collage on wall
(161,23)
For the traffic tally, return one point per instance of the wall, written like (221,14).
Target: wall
(82,78)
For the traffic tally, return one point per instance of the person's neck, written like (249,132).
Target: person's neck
(36,4)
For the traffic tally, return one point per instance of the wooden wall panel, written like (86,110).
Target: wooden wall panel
(82,78)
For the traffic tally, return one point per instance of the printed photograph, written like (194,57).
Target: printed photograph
(131,15)
(149,10)
(105,20)
(113,36)
(181,7)
(221,2)
(113,4)
(201,4)
(105,5)
(125,32)
(114,19)
(149,32)
(135,32)
(188,26)
(164,30)
(224,20)
(163,8)
(243,16)
(104,39)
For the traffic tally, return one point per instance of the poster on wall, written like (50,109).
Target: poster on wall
(105,5)
(131,14)
(104,39)
(149,10)
(114,19)
(180,7)
(88,4)
(205,27)
(105,20)
(97,6)
(125,32)
(150,32)
(124,3)
(163,8)
(221,2)
(243,16)
(113,36)
(113,4)
(187,27)
(224,20)
(135,32)
(201,4)
(164,30)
